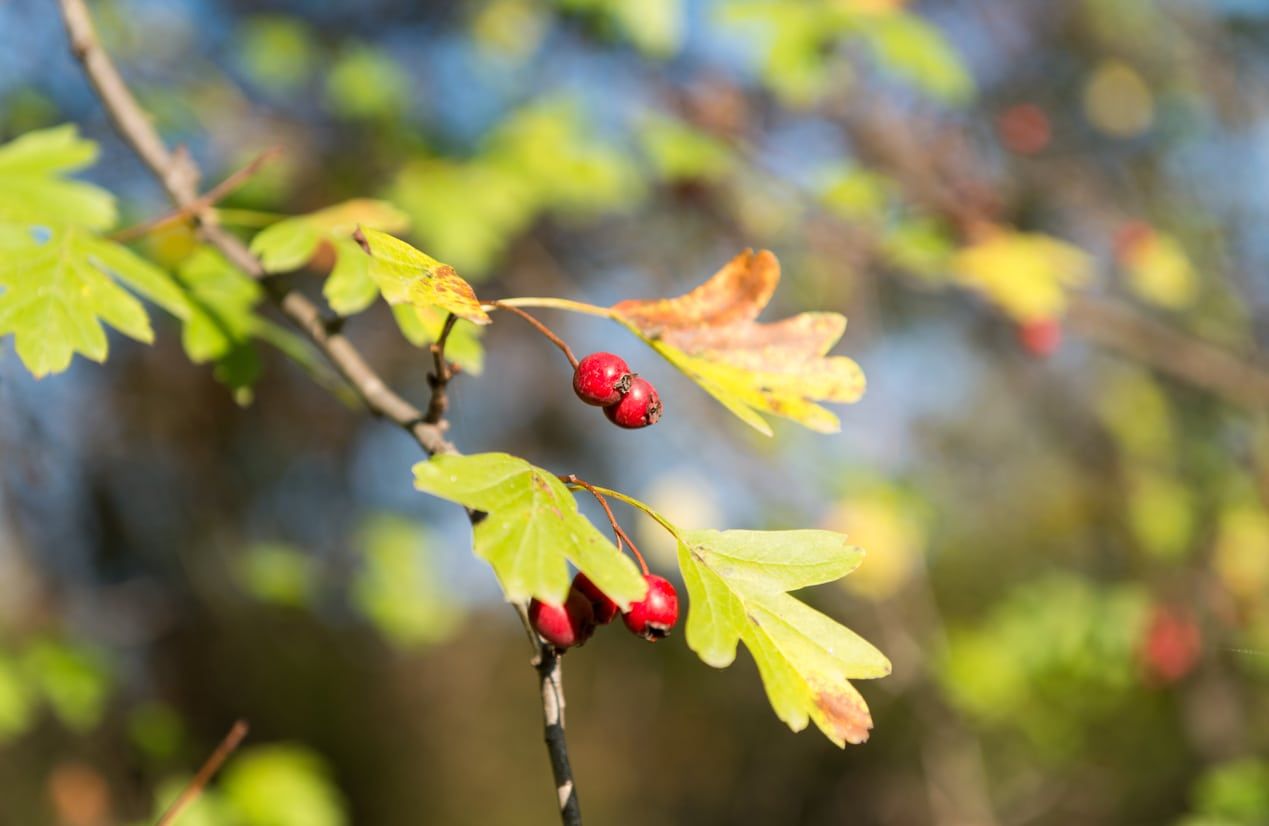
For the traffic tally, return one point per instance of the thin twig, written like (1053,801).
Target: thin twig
(212,197)
(612,520)
(441,375)
(179,175)
(191,792)
(540,327)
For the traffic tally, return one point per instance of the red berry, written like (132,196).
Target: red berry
(640,406)
(604,609)
(653,618)
(1041,338)
(564,626)
(601,379)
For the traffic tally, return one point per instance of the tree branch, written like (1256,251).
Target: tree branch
(1200,363)
(551,679)
(179,175)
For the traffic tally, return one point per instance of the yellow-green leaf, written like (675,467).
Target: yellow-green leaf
(738,581)
(1027,275)
(406,275)
(290,244)
(422,326)
(529,527)
(34,191)
(56,290)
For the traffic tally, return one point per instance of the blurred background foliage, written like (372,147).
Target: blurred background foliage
(1065,512)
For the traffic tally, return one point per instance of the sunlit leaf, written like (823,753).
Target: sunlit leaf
(680,152)
(73,680)
(1160,513)
(398,587)
(1234,793)
(222,300)
(17,700)
(1239,557)
(405,275)
(738,581)
(911,48)
(291,243)
(856,194)
(422,326)
(60,286)
(34,191)
(282,785)
(881,520)
(1027,275)
(1157,266)
(542,158)
(712,335)
(277,573)
(277,51)
(208,809)
(530,527)
(364,83)
(1056,649)
(156,729)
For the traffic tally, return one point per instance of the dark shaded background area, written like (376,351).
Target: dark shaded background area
(1068,556)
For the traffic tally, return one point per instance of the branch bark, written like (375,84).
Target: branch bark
(177,172)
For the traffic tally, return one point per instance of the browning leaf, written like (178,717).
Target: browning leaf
(712,335)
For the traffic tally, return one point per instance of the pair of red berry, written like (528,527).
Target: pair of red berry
(587,608)
(605,380)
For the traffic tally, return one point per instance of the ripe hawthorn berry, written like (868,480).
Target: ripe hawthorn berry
(640,407)
(563,626)
(602,607)
(601,379)
(656,614)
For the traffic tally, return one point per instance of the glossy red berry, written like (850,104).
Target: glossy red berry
(601,379)
(1041,338)
(603,608)
(656,614)
(640,407)
(564,626)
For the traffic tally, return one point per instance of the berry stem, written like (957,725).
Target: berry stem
(635,503)
(540,327)
(617,530)
(555,304)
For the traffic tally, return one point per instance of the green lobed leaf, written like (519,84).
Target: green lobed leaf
(530,528)
(738,581)
(58,291)
(406,275)
(222,302)
(34,191)
(908,46)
